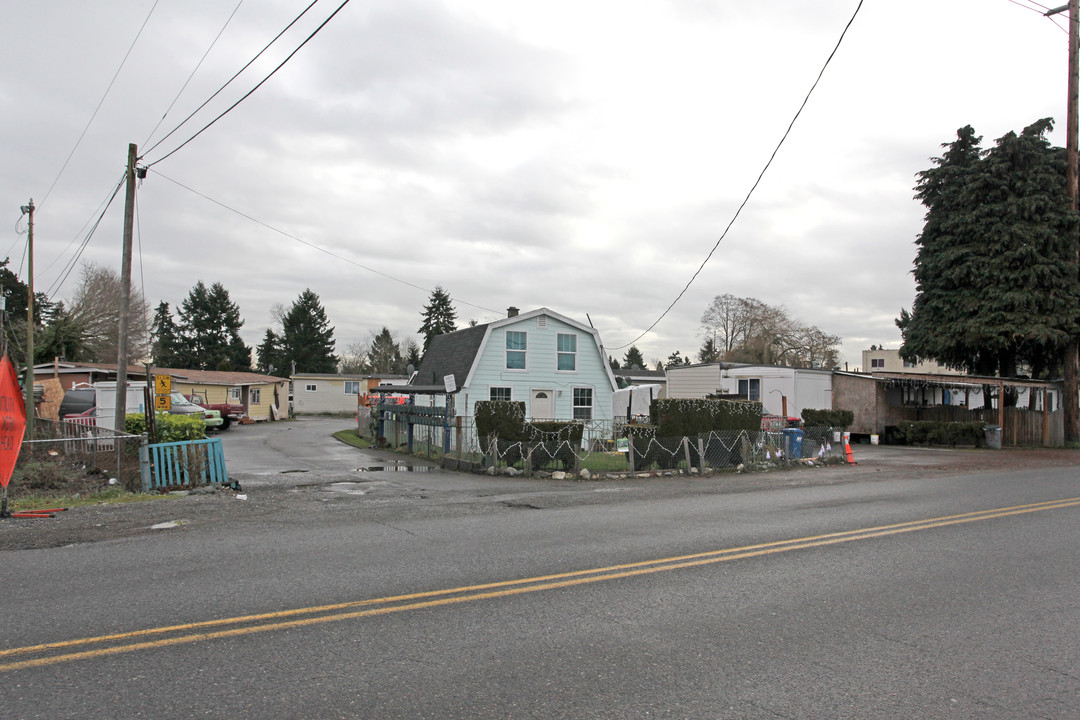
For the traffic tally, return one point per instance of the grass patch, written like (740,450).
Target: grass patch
(349,437)
(112,494)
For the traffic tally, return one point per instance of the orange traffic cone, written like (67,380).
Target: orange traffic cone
(848,455)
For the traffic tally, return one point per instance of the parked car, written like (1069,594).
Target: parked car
(230,412)
(77,401)
(182,406)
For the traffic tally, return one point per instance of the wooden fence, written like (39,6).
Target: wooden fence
(1021,426)
(189,463)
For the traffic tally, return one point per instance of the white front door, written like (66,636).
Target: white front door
(542,404)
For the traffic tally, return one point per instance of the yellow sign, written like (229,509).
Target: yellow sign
(163,403)
(162,384)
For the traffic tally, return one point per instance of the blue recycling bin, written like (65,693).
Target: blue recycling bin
(793,443)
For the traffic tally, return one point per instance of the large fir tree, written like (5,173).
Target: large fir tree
(164,338)
(995,272)
(269,355)
(439,316)
(209,330)
(307,338)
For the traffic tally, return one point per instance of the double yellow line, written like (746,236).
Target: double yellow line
(86,648)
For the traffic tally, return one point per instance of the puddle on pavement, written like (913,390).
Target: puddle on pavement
(347,488)
(394,468)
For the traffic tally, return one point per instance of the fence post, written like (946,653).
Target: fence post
(745,448)
(144,464)
(458,438)
(528,462)
(630,450)
(701,455)
(686,451)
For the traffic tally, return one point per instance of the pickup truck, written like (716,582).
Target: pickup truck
(230,412)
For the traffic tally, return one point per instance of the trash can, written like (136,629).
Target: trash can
(793,443)
(993,436)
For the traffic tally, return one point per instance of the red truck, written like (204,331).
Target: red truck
(230,412)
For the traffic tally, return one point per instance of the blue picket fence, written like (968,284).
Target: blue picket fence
(192,462)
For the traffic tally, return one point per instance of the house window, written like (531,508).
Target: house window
(516,346)
(499,393)
(877,362)
(583,403)
(750,388)
(234,394)
(352,387)
(310,388)
(567,351)
(909,363)
(254,395)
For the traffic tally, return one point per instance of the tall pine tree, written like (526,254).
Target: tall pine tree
(209,331)
(164,338)
(439,316)
(269,356)
(308,339)
(996,278)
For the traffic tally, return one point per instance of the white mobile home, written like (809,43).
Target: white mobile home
(775,386)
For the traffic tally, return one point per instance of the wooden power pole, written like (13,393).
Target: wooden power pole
(125,292)
(29,383)
(1071,357)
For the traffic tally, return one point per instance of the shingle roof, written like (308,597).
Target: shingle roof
(450,354)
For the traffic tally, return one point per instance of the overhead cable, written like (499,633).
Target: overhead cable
(753,187)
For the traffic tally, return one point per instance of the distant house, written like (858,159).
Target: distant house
(326,393)
(878,359)
(777,387)
(256,392)
(553,364)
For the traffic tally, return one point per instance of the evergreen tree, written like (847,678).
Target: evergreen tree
(439,316)
(633,358)
(209,331)
(708,353)
(269,356)
(996,276)
(613,363)
(384,354)
(164,338)
(411,350)
(307,338)
(64,336)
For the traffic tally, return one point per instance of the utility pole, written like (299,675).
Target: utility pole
(1071,357)
(125,292)
(28,388)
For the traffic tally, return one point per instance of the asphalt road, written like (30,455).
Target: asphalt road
(881,593)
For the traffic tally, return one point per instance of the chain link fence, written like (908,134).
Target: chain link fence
(66,450)
(610,447)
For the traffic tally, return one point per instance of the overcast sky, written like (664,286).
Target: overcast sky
(583,156)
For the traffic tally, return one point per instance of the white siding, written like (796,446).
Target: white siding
(541,371)
(694,381)
(328,397)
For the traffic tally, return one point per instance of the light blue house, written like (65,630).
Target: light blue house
(553,364)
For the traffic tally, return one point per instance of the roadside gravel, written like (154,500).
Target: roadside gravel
(382,496)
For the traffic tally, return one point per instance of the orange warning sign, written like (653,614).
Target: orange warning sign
(12,419)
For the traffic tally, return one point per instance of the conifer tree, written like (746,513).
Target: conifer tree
(439,316)
(209,328)
(164,338)
(307,337)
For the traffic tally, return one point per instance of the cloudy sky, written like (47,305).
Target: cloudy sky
(585,156)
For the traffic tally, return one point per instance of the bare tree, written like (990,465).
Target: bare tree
(354,361)
(96,307)
(748,330)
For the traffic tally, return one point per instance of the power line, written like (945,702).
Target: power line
(227,82)
(194,70)
(100,103)
(252,91)
(753,187)
(53,289)
(313,245)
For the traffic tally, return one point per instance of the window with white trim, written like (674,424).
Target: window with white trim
(750,388)
(877,362)
(253,396)
(517,344)
(352,387)
(234,394)
(583,404)
(310,387)
(499,393)
(566,352)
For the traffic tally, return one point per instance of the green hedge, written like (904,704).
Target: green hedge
(503,419)
(839,419)
(170,428)
(689,417)
(933,432)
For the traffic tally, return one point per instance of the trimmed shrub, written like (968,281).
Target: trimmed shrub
(170,428)
(933,432)
(554,440)
(689,417)
(839,419)
(500,418)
